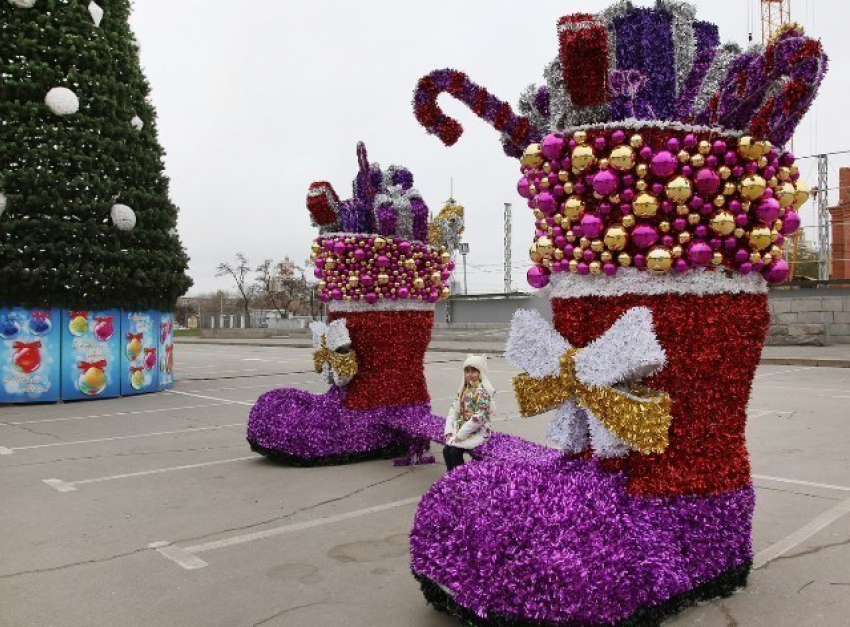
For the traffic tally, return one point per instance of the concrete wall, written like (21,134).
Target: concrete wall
(815,317)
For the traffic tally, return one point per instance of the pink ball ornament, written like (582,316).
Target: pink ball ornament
(790,223)
(776,272)
(700,254)
(336,294)
(599,143)
(628,195)
(673,145)
(588,255)
(552,146)
(646,153)
(339,248)
(382,261)
(609,269)
(583,268)
(644,236)
(618,137)
(592,226)
(741,220)
(402,292)
(360,254)
(707,182)
(680,266)
(371,298)
(404,248)
(742,255)
(663,164)
(690,141)
(367,281)
(768,210)
(537,277)
(701,231)
(745,268)
(546,203)
(639,261)
(667,241)
(605,182)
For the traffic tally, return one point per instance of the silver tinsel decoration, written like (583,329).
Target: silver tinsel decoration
(716,73)
(684,39)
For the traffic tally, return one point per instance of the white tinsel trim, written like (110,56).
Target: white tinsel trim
(123,217)
(633,124)
(96,13)
(717,71)
(628,351)
(346,306)
(634,281)
(534,346)
(605,444)
(62,101)
(318,329)
(569,429)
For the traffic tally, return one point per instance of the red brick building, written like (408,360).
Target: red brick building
(840,219)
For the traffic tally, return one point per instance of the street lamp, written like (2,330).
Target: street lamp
(463,249)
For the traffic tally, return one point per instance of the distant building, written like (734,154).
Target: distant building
(840,219)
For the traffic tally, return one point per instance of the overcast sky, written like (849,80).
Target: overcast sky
(258,98)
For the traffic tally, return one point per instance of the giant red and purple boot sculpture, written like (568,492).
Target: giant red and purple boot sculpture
(653,164)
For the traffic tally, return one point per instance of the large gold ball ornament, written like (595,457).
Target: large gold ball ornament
(622,158)
(787,195)
(577,253)
(628,221)
(445,257)
(379,243)
(545,247)
(582,157)
(597,246)
(419,283)
(679,189)
(724,172)
(684,156)
(595,267)
(704,147)
(752,187)
(636,141)
(722,223)
(533,156)
(624,259)
(659,260)
(436,278)
(558,254)
(573,207)
(801,195)
(760,237)
(410,264)
(534,254)
(616,238)
(697,161)
(749,148)
(645,205)
(573,265)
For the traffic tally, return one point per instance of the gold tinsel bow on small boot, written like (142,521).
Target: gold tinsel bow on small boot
(334,358)
(599,379)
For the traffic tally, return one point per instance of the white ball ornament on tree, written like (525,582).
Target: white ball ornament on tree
(137,123)
(3,203)
(62,101)
(22,4)
(123,217)
(96,13)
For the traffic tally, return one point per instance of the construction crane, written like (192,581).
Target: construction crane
(774,15)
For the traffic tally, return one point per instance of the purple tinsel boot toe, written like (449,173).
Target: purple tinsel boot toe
(563,543)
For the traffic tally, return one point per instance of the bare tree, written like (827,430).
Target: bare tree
(239,273)
(279,288)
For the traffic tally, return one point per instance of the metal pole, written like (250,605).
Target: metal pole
(823,218)
(508,239)
(465,288)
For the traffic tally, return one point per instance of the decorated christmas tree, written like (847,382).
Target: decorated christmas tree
(85,216)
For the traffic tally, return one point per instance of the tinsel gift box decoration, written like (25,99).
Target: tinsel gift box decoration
(652,161)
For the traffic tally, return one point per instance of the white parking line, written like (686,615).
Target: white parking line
(211,398)
(118,413)
(185,556)
(70,486)
(798,537)
(773,374)
(810,484)
(8,451)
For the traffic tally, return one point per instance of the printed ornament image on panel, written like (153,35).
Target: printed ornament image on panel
(140,334)
(29,355)
(91,357)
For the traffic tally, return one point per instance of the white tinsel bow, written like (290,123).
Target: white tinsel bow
(333,358)
(599,377)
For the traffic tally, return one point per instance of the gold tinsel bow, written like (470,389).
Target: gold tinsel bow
(638,416)
(343,364)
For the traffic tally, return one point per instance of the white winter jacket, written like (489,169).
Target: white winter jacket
(468,420)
